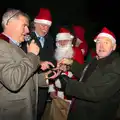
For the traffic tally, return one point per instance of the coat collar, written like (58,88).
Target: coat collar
(5,38)
(108,60)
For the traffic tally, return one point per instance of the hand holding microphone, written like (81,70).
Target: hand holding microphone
(33,48)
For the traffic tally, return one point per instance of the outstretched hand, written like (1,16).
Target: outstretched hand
(46,65)
(52,74)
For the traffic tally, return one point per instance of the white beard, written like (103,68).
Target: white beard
(63,52)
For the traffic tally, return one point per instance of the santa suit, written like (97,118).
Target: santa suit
(56,87)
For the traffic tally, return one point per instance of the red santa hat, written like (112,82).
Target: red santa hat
(80,33)
(44,16)
(64,34)
(106,33)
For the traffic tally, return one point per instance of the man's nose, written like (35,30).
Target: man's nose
(101,45)
(27,30)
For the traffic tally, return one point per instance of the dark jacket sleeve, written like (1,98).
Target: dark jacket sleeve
(51,43)
(77,68)
(100,85)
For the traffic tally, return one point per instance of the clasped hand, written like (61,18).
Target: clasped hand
(46,65)
(62,66)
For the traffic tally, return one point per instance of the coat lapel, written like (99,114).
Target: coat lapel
(107,60)
(33,35)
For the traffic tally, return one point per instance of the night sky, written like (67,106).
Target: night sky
(91,14)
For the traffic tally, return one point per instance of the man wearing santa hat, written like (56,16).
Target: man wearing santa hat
(43,39)
(80,41)
(64,49)
(97,93)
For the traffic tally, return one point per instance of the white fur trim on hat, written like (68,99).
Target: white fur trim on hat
(47,22)
(106,35)
(64,36)
(51,88)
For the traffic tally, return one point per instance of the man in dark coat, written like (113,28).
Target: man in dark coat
(39,33)
(97,93)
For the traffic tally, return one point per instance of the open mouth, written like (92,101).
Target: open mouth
(101,50)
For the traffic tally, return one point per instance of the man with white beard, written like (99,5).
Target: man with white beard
(64,49)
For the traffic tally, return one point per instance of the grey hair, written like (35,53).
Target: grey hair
(12,14)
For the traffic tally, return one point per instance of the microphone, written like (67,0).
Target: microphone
(28,38)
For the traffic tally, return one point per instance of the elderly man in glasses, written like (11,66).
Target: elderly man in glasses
(40,33)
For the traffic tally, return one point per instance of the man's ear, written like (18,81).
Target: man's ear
(114,47)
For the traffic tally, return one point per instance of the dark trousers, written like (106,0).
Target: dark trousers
(42,100)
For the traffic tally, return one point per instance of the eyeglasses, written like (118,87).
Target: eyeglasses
(12,17)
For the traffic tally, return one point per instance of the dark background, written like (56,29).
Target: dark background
(93,15)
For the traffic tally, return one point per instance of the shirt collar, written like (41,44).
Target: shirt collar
(37,34)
